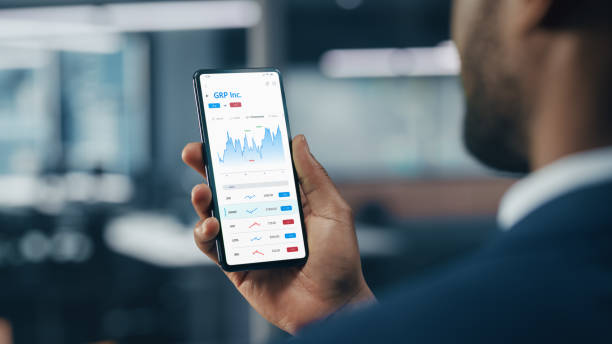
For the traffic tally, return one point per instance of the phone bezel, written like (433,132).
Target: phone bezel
(210,172)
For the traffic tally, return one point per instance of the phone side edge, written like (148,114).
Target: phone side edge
(206,157)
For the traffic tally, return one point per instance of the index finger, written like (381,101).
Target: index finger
(192,156)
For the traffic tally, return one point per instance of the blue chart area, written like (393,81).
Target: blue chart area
(244,152)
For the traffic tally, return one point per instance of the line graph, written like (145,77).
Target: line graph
(255,224)
(245,150)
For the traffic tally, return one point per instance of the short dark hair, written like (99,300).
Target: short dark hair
(579,14)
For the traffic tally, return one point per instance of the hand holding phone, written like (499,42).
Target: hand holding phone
(244,125)
(332,278)
(294,296)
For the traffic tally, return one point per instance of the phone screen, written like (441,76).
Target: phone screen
(252,170)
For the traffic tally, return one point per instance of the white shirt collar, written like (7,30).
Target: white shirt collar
(561,177)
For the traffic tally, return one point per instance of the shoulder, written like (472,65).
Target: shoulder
(547,280)
(506,300)
(523,297)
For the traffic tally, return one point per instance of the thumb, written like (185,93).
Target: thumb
(320,191)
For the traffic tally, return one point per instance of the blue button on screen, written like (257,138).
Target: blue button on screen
(283,194)
(286,208)
(289,235)
(214,105)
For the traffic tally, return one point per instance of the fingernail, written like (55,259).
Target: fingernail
(306,143)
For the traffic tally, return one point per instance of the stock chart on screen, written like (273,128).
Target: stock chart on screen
(245,150)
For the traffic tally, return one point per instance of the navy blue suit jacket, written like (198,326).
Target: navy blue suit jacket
(547,280)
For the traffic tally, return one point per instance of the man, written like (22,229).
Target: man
(536,75)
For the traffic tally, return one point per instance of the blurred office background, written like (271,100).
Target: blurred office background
(96,103)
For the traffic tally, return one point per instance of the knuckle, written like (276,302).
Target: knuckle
(321,169)
(324,171)
(198,225)
(347,211)
(343,210)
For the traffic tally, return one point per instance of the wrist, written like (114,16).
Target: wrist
(363,297)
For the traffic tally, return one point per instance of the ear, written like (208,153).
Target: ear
(527,15)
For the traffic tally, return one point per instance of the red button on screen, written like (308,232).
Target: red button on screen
(236,104)
(292,249)
(288,222)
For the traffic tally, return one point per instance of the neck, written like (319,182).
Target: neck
(570,115)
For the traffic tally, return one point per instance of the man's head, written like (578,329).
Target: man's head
(505,46)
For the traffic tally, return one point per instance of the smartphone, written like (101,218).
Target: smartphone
(249,165)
